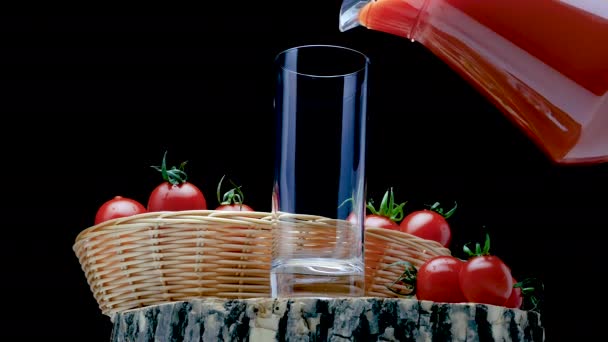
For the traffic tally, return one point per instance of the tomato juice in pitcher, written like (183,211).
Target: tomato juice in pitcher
(543,63)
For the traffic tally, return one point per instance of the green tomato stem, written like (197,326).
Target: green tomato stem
(232,196)
(435,207)
(479,251)
(388,207)
(174,175)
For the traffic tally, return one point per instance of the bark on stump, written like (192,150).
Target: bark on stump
(316,319)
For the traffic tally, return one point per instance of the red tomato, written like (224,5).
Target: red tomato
(232,199)
(386,216)
(234,207)
(175,193)
(377,221)
(438,280)
(176,197)
(516,299)
(118,207)
(486,279)
(380,222)
(427,224)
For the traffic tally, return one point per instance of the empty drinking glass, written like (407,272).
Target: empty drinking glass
(318,198)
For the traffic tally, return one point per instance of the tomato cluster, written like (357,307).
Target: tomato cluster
(174,193)
(481,278)
(430,224)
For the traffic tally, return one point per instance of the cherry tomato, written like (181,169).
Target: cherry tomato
(232,199)
(377,221)
(380,222)
(516,299)
(486,279)
(118,207)
(386,216)
(427,224)
(175,193)
(438,280)
(176,197)
(234,207)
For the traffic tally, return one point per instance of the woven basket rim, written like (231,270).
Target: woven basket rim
(163,216)
(159,216)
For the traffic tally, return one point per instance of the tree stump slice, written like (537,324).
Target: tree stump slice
(324,319)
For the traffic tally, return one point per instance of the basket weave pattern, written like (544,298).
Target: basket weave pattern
(155,258)
(384,248)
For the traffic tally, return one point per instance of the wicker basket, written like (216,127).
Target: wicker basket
(159,257)
(384,250)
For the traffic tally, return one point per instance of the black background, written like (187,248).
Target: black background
(90,102)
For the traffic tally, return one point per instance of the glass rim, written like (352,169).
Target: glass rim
(332,46)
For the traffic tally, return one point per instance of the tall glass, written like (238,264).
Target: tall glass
(318,198)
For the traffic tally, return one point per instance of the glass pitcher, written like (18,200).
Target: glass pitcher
(543,63)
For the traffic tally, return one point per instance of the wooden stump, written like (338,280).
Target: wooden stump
(316,319)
